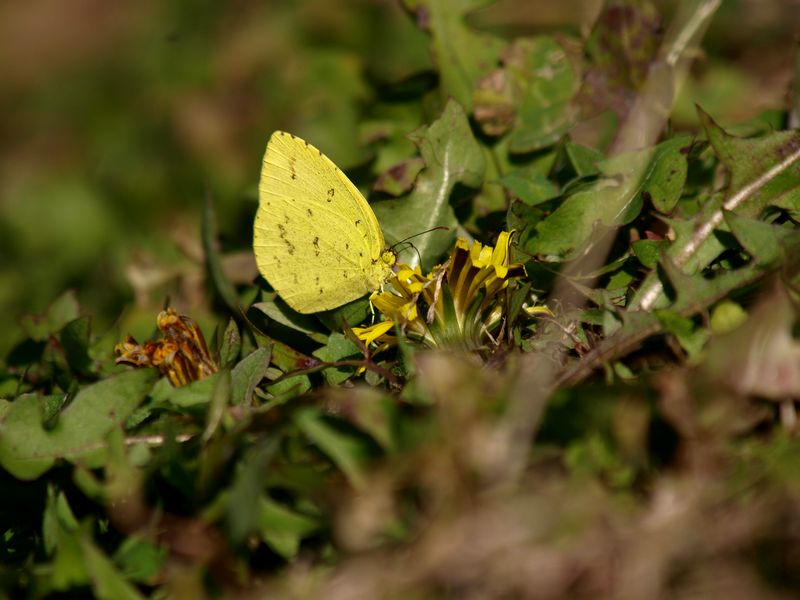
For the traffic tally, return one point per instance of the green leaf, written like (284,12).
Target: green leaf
(451,155)
(241,514)
(282,528)
(748,159)
(63,310)
(27,449)
(140,560)
(338,348)
(726,316)
(346,450)
(280,312)
(621,50)
(399,179)
(531,188)
(219,401)
(530,95)
(664,184)
(293,386)
(348,315)
(58,517)
(230,347)
(368,409)
(75,340)
(216,273)
(246,375)
(614,200)
(51,409)
(649,251)
(107,582)
(462,55)
(764,242)
(69,565)
(690,336)
(196,393)
(584,159)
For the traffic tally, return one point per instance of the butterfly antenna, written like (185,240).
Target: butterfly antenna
(439,228)
(399,250)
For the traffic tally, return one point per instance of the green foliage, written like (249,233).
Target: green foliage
(635,439)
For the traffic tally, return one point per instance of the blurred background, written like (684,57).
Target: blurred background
(117,119)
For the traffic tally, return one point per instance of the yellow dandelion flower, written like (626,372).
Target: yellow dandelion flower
(458,304)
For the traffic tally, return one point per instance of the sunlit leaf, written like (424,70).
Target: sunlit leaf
(27,450)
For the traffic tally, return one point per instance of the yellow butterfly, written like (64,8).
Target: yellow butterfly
(316,239)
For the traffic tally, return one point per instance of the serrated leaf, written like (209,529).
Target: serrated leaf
(451,155)
(27,450)
(530,95)
(748,159)
(614,200)
(461,54)
(399,179)
(764,242)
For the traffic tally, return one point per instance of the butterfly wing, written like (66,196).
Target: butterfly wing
(316,239)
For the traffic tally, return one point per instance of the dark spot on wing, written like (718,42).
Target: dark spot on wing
(310,213)
(331,192)
(282,235)
(358,222)
(315,243)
